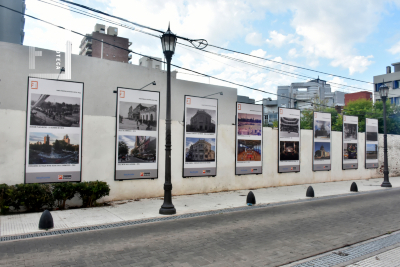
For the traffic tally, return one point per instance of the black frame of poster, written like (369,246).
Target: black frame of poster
(236,137)
(343,169)
(365,147)
(279,115)
(184,138)
(26,128)
(313,148)
(116,135)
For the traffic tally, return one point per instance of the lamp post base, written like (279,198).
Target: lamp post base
(386,184)
(167,211)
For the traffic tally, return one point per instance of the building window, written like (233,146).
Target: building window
(395,101)
(377,86)
(396,84)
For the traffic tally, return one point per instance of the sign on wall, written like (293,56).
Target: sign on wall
(350,142)
(200,137)
(136,155)
(371,143)
(322,151)
(53,131)
(289,140)
(249,133)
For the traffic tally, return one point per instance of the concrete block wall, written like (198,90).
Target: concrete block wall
(101,77)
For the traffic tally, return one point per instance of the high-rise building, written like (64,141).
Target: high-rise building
(11,23)
(66,139)
(392,80)
(46,140)
(101,44)
(302,96)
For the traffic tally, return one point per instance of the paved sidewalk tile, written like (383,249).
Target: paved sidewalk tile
(148,208)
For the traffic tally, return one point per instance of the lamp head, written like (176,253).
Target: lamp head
(153,83)
(384,90)
(221,93)
(168,42)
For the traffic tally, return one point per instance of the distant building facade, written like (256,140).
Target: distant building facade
(322,153)
(46,140)
(245,99)
(134,113)
(12,24)
(66,139)
(301,96)
(201,151)
(355,96)
(92,46)
(201,121)
(149,114)
(392,80)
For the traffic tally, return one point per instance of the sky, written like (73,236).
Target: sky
(58,99)
(130,140)
(353,38)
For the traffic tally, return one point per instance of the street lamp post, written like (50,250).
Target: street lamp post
(168,42)
(384,91)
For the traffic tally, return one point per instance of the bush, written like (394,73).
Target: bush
(90,192)
(33,196)
(6,198)
(63,192)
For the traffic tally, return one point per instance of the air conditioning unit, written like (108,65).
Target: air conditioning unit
(100,28)
(112,31)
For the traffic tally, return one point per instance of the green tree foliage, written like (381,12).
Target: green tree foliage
(361,108)
(122,148)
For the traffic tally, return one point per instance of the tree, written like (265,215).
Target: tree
(122,148)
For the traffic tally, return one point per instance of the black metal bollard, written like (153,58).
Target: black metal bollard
(46,221)
(310,192)
(251,199)
(353,187)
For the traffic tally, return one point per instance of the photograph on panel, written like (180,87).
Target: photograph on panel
(350,131)
(372,151)
(200,120)
(322,150)
(322,129)
(289,127)
(137,116)
(249,124)
(249,150)
(350,151)
(200,149)
(372,133)
(289,150)
(136,149)
(53,110)
(53,148)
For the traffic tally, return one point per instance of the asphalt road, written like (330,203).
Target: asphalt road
(260,237)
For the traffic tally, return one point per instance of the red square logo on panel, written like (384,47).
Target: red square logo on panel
(34,85)
(122,94)
(188,101)
(239,107)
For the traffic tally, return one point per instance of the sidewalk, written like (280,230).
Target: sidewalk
(129,210)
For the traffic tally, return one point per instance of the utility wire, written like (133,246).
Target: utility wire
(206,75)
(231,58)
(205,44)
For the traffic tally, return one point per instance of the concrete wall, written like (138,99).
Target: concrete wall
(101,77)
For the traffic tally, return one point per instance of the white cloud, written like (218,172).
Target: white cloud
(254,38)
(278,39)
(293,52)
(395,49)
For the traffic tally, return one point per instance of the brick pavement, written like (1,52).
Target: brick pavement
(261,237)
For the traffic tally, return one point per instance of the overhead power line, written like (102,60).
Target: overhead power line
(282,72)
(203,43)
(129,50)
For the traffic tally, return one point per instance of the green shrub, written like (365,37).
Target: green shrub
(33,196)
(6,198)
(63,192)
(90,192)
